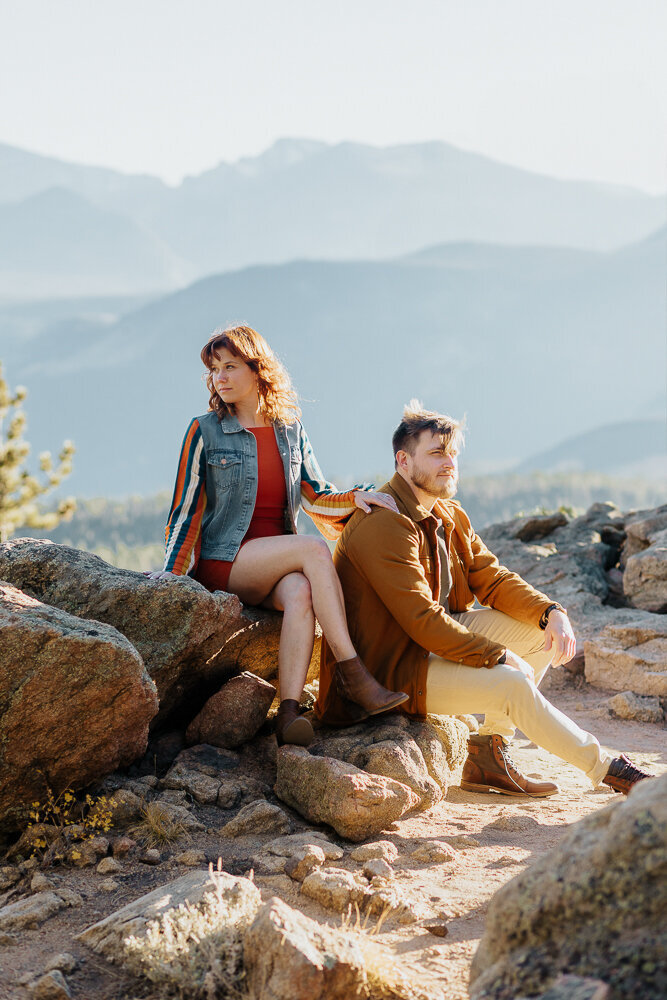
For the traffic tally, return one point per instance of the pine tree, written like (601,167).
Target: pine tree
(19,490)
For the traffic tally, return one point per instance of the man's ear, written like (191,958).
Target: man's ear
(402,460)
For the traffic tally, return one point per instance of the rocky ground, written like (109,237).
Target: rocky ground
(447,864)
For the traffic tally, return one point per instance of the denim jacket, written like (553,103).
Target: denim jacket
(216,490)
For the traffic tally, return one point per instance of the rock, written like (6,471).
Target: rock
(107,937)
(30,839)
(31,911)
(290,957)
(462,840)
(255,647)
(40,883)
(81,855)
(630,657)
(257,817)
(100,845)
(200,786)
(592,906)
(304,861)
(433,852)
(151,857)
(52,986)
(9,876)
(379,849)
(642,708)
(62,676)
(378,868)
(109,866)
(179,816)
(469,721)
(290,845)
(575,988)
(109,885)
(418,754)
(175,625)
(64,962)
(126,807)
(391,902)
(356,804)
(121,846)
(177,797)
(645,560)
(191,858)
(452,735)
(436,926)
(334,888)
(233,715)
(514,823)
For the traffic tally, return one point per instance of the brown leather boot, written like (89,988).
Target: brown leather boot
(357,684)
(623,774)
(489,768)
(292,727)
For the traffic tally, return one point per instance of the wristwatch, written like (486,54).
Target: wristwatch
(545,614)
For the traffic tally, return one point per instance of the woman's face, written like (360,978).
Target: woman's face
(234,380)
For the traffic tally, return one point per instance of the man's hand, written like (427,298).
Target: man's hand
(559,636)
(363,498)
(512,660)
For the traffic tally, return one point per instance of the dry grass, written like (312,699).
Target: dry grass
(385,979)
(157,826)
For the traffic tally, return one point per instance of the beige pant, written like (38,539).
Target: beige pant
(508,698)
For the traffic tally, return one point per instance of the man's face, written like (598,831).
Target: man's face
(434,466)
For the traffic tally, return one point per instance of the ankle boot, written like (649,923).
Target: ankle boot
(355,683)
(292,727)
(489,768)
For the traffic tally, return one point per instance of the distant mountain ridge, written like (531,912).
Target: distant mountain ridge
(532,354)
(303,199)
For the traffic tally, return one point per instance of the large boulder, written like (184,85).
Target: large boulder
(176,625)
(417,754)
(76,698)
(593,906)
(233,714)
(645,560)
(630,657)
(356,804)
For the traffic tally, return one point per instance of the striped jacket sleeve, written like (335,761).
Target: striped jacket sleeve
(328,508)
(183,531)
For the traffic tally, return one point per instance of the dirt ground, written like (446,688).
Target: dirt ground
(504,834)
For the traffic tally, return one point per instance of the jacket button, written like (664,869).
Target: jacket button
(419,693)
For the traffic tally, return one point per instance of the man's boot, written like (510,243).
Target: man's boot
(292,727)
(355,683)
(489,768)
(623,774)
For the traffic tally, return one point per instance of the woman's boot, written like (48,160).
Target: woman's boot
(355,682)
(292,727)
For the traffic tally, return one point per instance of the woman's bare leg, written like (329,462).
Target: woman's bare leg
(291,595)
(263,562)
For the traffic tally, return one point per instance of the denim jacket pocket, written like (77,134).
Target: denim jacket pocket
(226,469)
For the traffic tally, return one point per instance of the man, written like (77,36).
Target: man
(410,581)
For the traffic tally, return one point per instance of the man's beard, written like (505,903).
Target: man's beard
(443,488)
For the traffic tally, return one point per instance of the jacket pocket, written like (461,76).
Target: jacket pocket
(225,468)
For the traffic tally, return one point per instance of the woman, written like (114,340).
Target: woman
(245,467)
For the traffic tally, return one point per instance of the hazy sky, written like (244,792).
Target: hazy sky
(572,88)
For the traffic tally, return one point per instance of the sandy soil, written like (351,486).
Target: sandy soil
(506,833)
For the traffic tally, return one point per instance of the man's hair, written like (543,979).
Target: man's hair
(416,420)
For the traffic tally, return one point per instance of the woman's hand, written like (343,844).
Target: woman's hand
(161,574)
(365,500)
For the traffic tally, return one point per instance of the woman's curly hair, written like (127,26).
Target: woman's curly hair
(277,398)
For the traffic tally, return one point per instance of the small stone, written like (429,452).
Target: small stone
(109,885)
(109,866)
(40,883)
(304,861)
(257,817)
(121,846)
(379,849)
(100,845)
(70,897)
(334,888)
(514,823)
(64,962)
(436,926)
(641,708)
(30,911)
(463,840)
(81,856)
(177,797)
(378,868)
(126,807)
(29,865)
(192,858)
(151,857)
(434,852)
(293,842)
(9,876)
(7,940)
(52,986)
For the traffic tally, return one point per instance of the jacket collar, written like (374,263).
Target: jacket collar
(230,424)
(407,500)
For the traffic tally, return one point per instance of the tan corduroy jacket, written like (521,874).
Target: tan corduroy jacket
(389,568)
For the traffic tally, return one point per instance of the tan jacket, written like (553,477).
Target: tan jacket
(389,569)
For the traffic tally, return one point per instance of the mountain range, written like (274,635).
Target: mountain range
(73,230)
(534,344)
